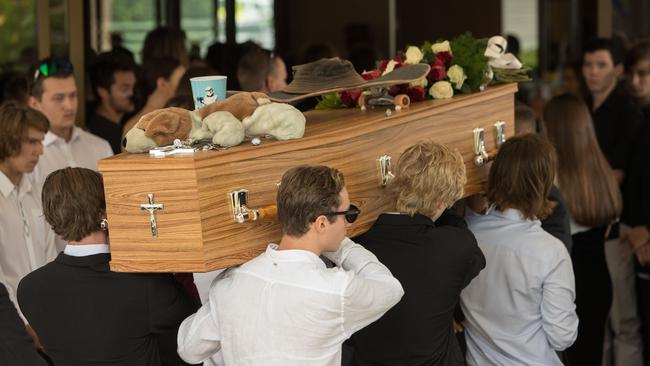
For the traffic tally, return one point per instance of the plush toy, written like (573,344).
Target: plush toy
(226,123)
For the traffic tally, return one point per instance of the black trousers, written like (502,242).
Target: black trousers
(643,304)
(593,296)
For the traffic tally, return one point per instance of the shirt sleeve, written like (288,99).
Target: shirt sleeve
(199,337)
(559,319)
(371,289)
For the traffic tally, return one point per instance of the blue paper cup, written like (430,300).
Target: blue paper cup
(207,90)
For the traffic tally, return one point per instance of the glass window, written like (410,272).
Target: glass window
(132,19)
(198,22)
(520,19)
(254,19)
(17,34)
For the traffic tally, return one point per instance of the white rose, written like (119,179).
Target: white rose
(421,82)
(389,67)
(413,55)
(441,90)
(441,47)
(456,75)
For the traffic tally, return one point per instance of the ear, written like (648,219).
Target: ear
(618,69)
(32,102)
(161,83)
(320,224)
(102,92)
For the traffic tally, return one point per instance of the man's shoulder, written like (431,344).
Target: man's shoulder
(94,142)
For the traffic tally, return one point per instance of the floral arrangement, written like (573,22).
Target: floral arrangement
(462,65)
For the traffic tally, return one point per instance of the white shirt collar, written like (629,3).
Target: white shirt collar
(51,138)
(6,186)
(86,249)
(292,255)
(509,213)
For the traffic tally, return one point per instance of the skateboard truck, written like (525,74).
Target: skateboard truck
(380,97)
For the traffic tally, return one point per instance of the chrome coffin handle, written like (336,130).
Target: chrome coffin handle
(242,213)
(481,156)
(385,172)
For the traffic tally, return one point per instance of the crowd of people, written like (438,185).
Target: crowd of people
(550,265)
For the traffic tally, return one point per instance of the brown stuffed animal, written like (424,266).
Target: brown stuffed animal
(241,105)
(165,125)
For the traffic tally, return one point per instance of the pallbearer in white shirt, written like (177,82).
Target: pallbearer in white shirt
(26,240)
(53,92)
(520,309)
(285,307)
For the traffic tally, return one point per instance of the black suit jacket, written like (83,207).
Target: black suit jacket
(86,315)
(433,262)
(16,347)
(558,223)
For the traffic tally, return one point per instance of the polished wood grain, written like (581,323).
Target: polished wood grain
(197,231)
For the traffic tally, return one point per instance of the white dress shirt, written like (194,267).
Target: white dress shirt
(26,239)
(285,308)
(520,309)
(83,150)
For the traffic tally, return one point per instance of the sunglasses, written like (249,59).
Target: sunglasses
(350,215)
(53,67)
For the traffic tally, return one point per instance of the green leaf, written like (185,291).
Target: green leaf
(330,101)
(468,52)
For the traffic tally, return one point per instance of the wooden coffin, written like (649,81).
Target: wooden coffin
(196,229)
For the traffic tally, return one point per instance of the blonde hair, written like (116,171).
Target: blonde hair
(427,174)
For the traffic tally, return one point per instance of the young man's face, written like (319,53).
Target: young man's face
(122,91)
(638,78)
(337,230)
(58,103)
(31,148)
(599,71)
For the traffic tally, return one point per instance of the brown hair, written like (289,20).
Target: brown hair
(73,202)
(640,51)
(15,120)
(427,174)
(526,121)
(522,175)
(305,193)
(584,175)
(36,79)
(253,69)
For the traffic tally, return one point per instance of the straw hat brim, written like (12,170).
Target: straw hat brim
(402,75)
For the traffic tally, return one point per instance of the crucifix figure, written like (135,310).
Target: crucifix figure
(152,207)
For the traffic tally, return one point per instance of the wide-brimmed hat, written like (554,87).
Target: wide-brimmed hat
(330,75)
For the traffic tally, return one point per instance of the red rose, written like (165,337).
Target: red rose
(350,97)
(382,68)
(369,75)
(444,57)
(416,93)
(437,72)
(394,90)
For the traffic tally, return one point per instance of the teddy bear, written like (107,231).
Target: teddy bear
(226,122)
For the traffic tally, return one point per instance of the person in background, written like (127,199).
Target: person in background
(594,203)
(26,240)
(635,221)
(261,71)
(53,92)
(113,79)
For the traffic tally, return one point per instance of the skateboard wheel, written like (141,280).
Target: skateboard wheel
(362,100)
(402,100)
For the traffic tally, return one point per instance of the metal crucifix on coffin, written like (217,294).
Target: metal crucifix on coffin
(152,207)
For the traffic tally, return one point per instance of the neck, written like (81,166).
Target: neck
(96,237)
(13,175)
(157,100)
(64,133)
(644,101)
(305,242)
(109,113)
(599,97)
